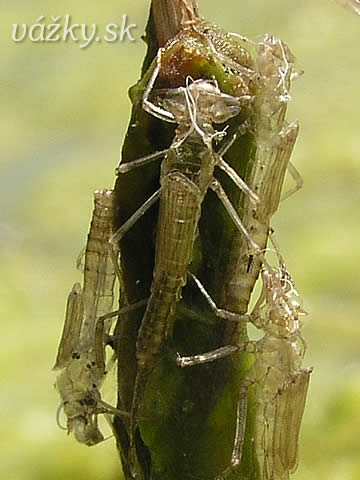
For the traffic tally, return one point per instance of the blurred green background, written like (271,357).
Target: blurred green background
(64,112)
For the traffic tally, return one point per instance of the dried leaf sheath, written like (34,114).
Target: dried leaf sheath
(170,17)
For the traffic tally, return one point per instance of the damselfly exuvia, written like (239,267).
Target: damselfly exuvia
(274,141)
(280,383)
(81,355)
(187,173)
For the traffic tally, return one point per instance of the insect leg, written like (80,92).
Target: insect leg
(236,455)
(219,312)
(241,410)
(99,329)
(226,59)
(239,182)
(217,354)
(147,104)
(134,218)
(299,182)
(217,188)
(207,357)
(107,408)
(227,144)
(140,162)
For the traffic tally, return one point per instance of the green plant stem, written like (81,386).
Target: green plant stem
(189,414)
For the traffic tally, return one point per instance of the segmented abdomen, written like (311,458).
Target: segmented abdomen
(99,272)
(180,206)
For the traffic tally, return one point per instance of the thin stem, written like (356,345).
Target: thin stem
(170,17)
